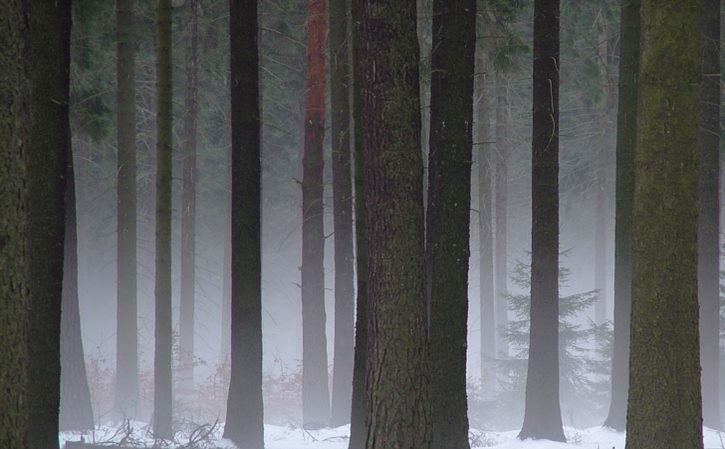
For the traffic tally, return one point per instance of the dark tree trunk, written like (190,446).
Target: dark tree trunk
(500,180)
(162,419)
(626,141)
(245,416)
(126,314)
(709,215)
(542,415)
(315,391)
(76,412)
(14,310)
(358,413)
(484,138)
(664,408)
(48,150)
(188,213)
(342,213)
(448,215)
(399,408)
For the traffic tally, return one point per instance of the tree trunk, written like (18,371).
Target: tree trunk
(626,141)
(76,412)
(709,215)
(188,214)
(542,415)
(601,149)
(315,391)
(162,419)
(448,215)
(126,314)
(244,423)
(399,382)
(361,366)
(342,214)
(501,178)
(48,150)
(664,407)
(14,281)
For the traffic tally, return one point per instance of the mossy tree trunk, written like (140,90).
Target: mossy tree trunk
(163,396)
(626,141)
(664,408)
(126,311)
(542,415)
(244,423)
(399,408)
(315,391)
(709,215)
(448,215)
(47,156)
(14,300)
(342,213)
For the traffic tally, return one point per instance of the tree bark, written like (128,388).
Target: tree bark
(315,391)
(163,396)
(126,312)
(664,408)
(244,423)
(399,409)
(626,141)
(48,150)
(542,415)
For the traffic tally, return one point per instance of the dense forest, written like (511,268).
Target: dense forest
(361,224)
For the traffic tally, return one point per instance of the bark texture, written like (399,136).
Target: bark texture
(244,422)
(162,419)
(626,141)
(542,415)
(399,410)
(664,408)
(448,215)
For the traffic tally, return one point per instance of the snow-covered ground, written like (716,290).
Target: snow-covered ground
(276,437)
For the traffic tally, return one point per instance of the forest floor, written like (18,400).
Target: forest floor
(137,434)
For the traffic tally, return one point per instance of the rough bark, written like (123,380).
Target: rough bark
(500,180)
(342,213)
(162,418)
(76,412)
(315,390)
(244,423)
(448,215)
(626,141)
(709,214)
(399,409)
(542,415)
(188,211)
(126,312)
(47,155)
(14,314)
(664,408)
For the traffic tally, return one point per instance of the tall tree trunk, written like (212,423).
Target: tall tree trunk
(500,180)
(399,380)
(315,391)
(126,312)
(448,215)
(163,397)
(361,365)
(601,159)
(342,213)
(664,408)
(484,140)
(626,141)
(76,412)
(542,415)
(14,281)
(709,215)
(48,150)
(244,424)
(188,212)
